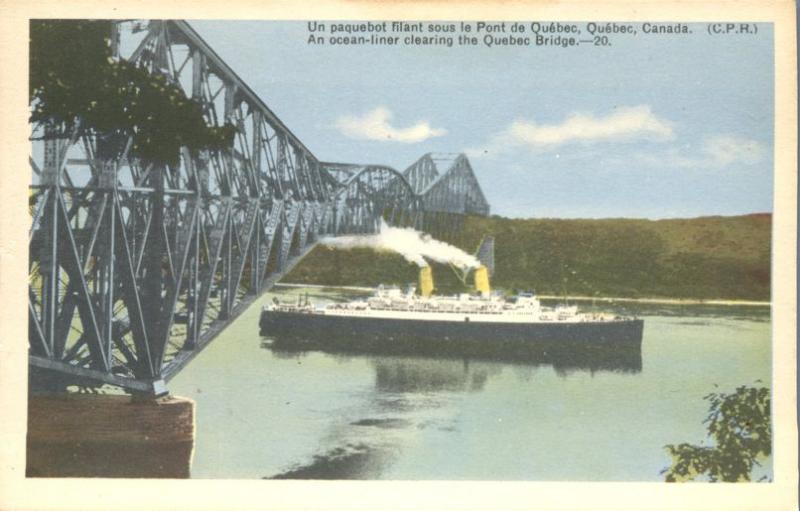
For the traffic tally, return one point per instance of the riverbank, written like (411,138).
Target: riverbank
(664,301)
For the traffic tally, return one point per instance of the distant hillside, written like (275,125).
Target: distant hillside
(707,258)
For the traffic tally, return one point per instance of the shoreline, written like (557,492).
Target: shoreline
(606,299)
(666,301)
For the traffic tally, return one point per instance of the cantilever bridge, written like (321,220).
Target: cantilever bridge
(136,268)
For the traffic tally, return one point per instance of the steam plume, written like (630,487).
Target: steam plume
(413,245)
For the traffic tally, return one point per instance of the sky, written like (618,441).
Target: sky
(658,126)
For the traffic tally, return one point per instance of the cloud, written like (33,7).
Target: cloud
(625,123)
(376,125)
(722,150)
(714,152)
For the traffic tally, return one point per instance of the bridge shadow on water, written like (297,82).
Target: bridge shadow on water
(414,390)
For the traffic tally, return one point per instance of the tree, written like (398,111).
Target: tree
(76,82)
(739,423)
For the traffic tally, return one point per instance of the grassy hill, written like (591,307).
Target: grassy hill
(707,258)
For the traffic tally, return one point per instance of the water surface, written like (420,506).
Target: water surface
(263,413)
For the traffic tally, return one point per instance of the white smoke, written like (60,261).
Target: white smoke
(413,245)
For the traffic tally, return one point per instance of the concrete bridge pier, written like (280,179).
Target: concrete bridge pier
(101,435)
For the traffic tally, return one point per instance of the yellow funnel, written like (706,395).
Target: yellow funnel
(425,281)
(482,280)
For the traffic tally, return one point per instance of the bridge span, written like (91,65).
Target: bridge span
(134,268)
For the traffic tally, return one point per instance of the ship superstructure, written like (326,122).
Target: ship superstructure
(482,306)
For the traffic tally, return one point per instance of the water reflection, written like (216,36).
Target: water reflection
(414,397)
(410,396)
(429,375)
(564,357)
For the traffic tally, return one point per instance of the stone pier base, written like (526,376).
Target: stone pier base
(90,435)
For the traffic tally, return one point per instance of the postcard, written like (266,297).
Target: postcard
(399,256)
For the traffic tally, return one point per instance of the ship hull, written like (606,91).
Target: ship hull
(616,342)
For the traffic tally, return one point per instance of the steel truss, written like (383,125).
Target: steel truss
(135,268)
(447,187)
(367,193)
(448,191)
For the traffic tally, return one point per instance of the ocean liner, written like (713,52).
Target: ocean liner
(479,323)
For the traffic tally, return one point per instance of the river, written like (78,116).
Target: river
(263,413)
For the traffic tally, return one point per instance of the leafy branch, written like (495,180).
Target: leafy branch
(75,82)
(740,425)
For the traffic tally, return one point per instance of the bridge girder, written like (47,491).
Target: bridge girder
(447,189)
(369,193)
(134,268)
(447,184)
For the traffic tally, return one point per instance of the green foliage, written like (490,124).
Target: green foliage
(75,81)
(739,423)
(705,258)
(356,267)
